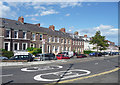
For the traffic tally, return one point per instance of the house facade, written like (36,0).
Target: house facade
(18,35)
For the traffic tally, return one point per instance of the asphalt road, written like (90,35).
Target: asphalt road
(71,71)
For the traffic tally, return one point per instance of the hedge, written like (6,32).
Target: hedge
(7,54)
(88,51)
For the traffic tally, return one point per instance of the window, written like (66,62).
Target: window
(68,48)
(58,39)
(53,48)
(53,39)
(49,39)
(24,46)
(15,34)
(41,46)
(24,35)
(65,41)
(40,36)
(32,45)
(8,33)
(61,40)
(33,37)
(68,41)
(73,42)
(16,46)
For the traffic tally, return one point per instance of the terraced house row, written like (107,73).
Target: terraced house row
(18,35)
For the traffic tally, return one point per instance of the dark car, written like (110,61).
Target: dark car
(22,57)
(48,56)
(95,54)
(81,56)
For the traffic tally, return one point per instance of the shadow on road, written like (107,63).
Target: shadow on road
(64,74)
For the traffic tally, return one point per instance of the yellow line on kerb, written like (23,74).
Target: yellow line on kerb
(107,72)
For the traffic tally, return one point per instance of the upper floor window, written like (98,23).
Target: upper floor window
(24,35)
(15,34)
(68,41)
(8,33)
(41,36)
(65,41)
(33,36)
(61,40)
(53,39)
(58,39)
(73,42)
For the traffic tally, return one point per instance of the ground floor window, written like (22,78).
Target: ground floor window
(7,46)
(32,45)
(24,46)
(15,46)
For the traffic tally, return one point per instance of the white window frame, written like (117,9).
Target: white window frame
(34,37)
(17,34)
(8,45)
(26,45)
(9,32)
(33,45)
(17,45)
(58,40)
(42,37)
(25,35)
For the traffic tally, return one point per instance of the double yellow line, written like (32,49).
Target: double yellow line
(71,80)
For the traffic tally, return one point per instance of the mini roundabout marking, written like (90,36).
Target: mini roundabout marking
(41,68)
(61,75)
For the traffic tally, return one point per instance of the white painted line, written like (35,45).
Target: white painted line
(41,68)
(6,75)
(74,74)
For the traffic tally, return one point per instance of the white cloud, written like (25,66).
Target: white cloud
(39,7)
(3,9)
(70,4)
(32,15)
(48,12)
(34,19)
(67,15)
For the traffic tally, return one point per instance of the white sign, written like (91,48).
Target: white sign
(43,41)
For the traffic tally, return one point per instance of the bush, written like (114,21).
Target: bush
(34,51)
(88,51)
(7,54)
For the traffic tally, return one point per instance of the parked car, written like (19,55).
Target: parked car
(48,56)
(68,53)
(62,56)
(3,58)
(81,56)
(95,54)
(117,53)
(22,56)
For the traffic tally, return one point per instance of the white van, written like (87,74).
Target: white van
(68,53)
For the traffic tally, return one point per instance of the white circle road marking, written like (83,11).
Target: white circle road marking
(41,68)
(39,77)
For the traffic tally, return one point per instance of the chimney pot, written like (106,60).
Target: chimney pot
(85,35)
(76,33)
(21,19)
(38,24)
(62,30)
(52,27)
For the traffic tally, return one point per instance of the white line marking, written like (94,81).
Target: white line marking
(39,77)
(41,68)
(6,75)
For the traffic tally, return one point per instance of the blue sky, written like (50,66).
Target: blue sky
(84,17)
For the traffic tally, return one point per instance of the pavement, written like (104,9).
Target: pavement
(52,61)
(72,71)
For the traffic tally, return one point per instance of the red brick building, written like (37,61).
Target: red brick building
(18,35)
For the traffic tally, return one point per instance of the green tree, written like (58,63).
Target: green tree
(99,41)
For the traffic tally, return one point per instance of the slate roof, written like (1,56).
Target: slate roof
(16,25)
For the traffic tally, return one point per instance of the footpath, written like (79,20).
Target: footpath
(54,61)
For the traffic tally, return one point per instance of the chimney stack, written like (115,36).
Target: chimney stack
(85,35)
(76,33)
(38,24)
(52,27)
(62,30)
(21,19)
